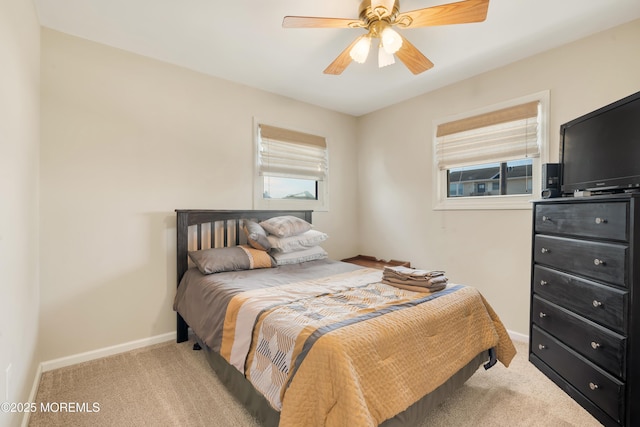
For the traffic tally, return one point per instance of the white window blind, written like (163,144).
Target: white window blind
(497,136)
(290,154)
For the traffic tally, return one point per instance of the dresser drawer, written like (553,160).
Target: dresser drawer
(600,303)
(596,385)
(601,346)
(603,261)
(597,220)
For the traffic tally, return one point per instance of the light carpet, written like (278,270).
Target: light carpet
(169,384)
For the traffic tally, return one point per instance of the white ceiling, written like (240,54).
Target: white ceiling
(243,41)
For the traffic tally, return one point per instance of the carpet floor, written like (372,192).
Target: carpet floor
(169,384)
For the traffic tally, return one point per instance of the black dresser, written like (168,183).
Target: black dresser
(585,302)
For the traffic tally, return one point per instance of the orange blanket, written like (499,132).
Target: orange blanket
(365,373)
(350,350)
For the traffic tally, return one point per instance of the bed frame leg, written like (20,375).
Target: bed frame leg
(182,329)
(492,358)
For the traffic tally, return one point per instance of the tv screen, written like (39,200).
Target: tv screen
(600,151)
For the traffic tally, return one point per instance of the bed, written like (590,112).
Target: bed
(323,342)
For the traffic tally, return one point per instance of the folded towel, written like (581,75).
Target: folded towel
(435,281)
(407,272)
(421,289)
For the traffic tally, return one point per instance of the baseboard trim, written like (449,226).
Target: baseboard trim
(516,336)
(32,395)
(104,352)
(87,356)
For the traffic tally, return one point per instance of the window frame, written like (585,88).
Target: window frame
(260,203)
(440,199)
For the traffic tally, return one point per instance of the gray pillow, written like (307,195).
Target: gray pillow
(296,243)
(256,236)
(243,257)
(309,254)
(285,226)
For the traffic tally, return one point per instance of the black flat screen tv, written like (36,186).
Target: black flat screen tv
(600,151)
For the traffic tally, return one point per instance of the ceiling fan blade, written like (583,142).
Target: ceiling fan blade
(313,22)
(410,56)
(342,61)
(452,13)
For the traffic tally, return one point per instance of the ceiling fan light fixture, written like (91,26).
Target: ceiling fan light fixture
(391,40)
(360,50)
(384,58)
(378,17)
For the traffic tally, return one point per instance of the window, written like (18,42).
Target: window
(291,169)
(518,179)
(491,159)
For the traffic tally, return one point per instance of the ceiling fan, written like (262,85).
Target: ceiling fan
(378,17)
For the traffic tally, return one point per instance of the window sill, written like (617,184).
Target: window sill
(489,203)
(281,204)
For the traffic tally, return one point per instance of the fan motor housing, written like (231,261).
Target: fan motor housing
(369,14)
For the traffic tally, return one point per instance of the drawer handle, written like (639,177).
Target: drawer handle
(543,315)
(598,261)
(541,346)
(545,218)
(596,303)
(545,250)
(601,220)
(595,345)
(593,386)
(543,282)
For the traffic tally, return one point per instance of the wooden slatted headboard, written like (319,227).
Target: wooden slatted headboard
(201,229)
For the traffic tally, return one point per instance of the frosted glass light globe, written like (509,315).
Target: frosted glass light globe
(391,40)
(385,58)
(360,50)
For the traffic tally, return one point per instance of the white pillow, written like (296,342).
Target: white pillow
(285,226)
(310,254)
(297,243)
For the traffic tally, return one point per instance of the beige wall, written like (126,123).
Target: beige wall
(19,139)
(126,141)
(395,166)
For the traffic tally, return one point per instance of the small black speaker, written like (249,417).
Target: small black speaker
(550,180)
(549,193)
